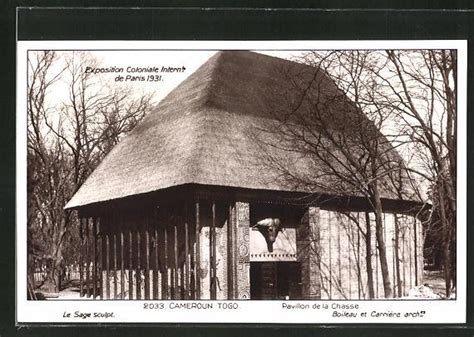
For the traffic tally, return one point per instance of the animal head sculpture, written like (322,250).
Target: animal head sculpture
(269,228)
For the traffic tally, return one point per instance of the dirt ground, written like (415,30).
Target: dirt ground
(434,279)
(70,292)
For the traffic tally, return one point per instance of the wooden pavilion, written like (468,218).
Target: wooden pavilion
(184,207)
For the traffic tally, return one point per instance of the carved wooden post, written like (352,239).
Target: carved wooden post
(230,253)
(242,248)
(308,254)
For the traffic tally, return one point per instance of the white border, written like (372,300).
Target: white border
(249,311)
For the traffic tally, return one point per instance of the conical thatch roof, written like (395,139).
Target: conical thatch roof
(205,132)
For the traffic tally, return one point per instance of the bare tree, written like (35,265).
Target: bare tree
(66,140)
(422,91)
(46,177)
(335,128)
(410,96)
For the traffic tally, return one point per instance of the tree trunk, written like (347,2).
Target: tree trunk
(50,284)
(446,239)
(447,268)
(368,257)
(453,259)
(387,286)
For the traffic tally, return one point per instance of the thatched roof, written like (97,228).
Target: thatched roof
(213,129)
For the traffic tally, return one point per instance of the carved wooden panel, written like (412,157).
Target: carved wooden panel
(243,250)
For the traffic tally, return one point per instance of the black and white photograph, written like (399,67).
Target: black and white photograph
(298,175)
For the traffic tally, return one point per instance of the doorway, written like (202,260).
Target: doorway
(275,280)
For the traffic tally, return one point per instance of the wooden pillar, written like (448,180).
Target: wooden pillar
(130,264)
(230,253)
(156,266)
(122,258)
(307,242)
(94,249)
(147,258)
(164,276)
(138,286)
(81,257)
(330,225)
(242,249)
(197,271)
(171,264)
(88,285)
(175,271)
(397,256)
(181,269)
(100,257)
(107,263)
(212,253)
(186,253)
(115,257)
